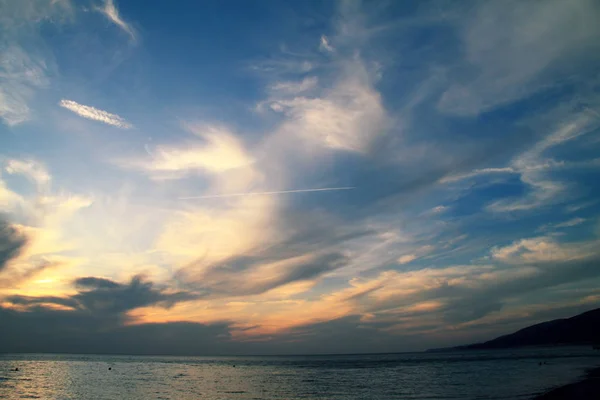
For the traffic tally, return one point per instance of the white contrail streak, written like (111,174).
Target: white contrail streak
(95,114)
(267,193)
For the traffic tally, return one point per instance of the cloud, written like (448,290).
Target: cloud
(20,76)
(570,223)
(41,217)
(36,276)
(322,270)
(111,12)
(42,207)
(282,67)
(536,167)
(418,252)
(405,259)
(95,114)
(105,298)
(579,206)
(348,117)
(514,51)
(478,172)
(12,243)
(542,249)
(533,167)
(218,153)
(24,67)
(294,88)
(252,232)
(246,275)
(9,200)
(17,14)
(565,224)
(215,232)
(31,169)
(343,112)
(469,293)
(325,46)
(15,244)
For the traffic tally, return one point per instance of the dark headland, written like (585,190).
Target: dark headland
(582,329)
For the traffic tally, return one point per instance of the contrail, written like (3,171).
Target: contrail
(267,193)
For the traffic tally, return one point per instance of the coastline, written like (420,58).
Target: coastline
(584,389)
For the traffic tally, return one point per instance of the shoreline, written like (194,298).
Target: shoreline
(586,388)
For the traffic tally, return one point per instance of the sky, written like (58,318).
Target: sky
(267,177)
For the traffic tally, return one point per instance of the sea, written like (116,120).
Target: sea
(475,374)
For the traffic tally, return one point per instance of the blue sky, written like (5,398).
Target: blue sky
(412,174)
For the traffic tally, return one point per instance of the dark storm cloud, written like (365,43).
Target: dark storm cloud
(11,243)
(103,295)
(96,283)
(104,298)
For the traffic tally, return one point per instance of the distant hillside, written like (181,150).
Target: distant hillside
(580,329)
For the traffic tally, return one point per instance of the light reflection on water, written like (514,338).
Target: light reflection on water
(468,375)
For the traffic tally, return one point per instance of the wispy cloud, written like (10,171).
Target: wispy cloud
(95,114)
(295,87)
(516,50)
(417,253)
(478,172)
(42,216)
(20,75)
(534,166)
(405,259)
(111,12)
(324,45)
(32,169)
(348,117)
(566,224)
(24,63)
(215,152)
(544,249)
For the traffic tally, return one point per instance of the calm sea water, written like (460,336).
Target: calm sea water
(503,374)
